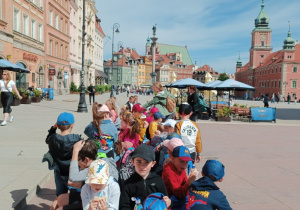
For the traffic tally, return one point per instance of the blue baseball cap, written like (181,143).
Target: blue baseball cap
(65,118)
(214,168)
(182,153)
(173,135)
(158,115)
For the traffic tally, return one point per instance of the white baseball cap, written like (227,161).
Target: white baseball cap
(170,122)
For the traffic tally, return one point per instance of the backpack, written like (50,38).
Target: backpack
(194,201)
(155,201)
(171,104)
(126,168)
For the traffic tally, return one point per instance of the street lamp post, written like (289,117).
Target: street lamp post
(82,104)
(116,27)
(154,39)
(120,45)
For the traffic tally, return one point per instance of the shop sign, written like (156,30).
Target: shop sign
(30,57)
(52,72)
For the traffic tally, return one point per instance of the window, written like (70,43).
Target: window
(40,32)
(275,84)
(50,47)
(56,22)
(65,79)
(56,46)
(295,69)
(33,77)
(61,24)
(16,19)
(66,27)
(0,9)
(51,18)
(262,44)
(294,83)
(33,29)
(66,53)
(25,24)
(278,83)
(61,51)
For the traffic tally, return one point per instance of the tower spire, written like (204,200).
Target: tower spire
(289,42)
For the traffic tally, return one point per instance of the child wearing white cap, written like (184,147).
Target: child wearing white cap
(101,191)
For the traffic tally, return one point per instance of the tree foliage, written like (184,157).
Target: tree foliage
(223,77)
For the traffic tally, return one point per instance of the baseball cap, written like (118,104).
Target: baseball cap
(138,108)
(182,153)
(173,135)
(158,115)
(65,118)
(171,144)
(143,151)
(154,110)
(104,108)
(170,122)
(214,168)
(98,172)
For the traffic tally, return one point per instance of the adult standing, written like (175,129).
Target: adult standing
(92,90)
(7,85)
(295,99)
(128,90)
(112,91)
(160,100)
(273,98)
(266,100)
(289,98)
(278,97)
(193,100)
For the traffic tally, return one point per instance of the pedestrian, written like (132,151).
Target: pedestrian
(266,100)
(7,85)
(295,99)
(289,98)
(273,98)
(246,96)
(112,91)
(193,100)
(92,90)
(128,90)
(278,97)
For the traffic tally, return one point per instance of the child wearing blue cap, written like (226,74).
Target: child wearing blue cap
(60,148)
(158,117)
(204,193)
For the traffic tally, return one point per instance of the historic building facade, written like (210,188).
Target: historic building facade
(270,72)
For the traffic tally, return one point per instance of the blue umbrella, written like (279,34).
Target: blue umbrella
(183,83)
(211,85)
(231,84)
(6,65)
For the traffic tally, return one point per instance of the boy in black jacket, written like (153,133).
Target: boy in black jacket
(143,182)
(203,193)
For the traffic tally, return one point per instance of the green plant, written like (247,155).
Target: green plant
(224,112)
(24,93)
(15,94)
(235,104)
(37,93)
(243,106)
(107,87)
(73,87)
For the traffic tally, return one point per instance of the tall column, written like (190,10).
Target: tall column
(154,39)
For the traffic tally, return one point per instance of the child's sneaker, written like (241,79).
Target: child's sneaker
(4,123)
(11,119)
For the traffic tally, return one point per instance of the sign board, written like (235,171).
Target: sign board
(263,114)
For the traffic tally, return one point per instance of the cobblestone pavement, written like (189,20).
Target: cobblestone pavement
(261,159)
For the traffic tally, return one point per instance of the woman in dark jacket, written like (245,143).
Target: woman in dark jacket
(91,89)
(193,100)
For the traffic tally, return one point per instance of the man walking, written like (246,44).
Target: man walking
(289,98)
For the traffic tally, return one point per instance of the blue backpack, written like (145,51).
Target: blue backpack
(155,201)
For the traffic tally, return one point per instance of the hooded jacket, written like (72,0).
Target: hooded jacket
(160,101)
(107,127)
(136,186)
(204,194)
(60,148)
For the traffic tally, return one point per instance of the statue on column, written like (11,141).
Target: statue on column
(154,30)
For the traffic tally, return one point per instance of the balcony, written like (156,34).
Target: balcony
(88,62)
(89,39)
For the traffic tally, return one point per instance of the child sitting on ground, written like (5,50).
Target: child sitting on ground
(102,125)
(60,148)
(110,103)
(150,118)
(143,182)
(137,111)
(129,130)
(175,177)
(100,191)
(210,197)
(189,132)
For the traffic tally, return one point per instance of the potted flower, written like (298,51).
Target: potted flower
(224,114)
(16,101)
(26,96)
(37,96)
(73,88)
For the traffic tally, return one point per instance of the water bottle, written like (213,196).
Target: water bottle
(138,205)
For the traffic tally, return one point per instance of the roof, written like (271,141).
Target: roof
(165,48)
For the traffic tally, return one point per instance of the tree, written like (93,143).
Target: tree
(223,77)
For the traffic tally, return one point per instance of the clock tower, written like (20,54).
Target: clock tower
(261,39)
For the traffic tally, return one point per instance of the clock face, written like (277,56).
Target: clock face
(263,37)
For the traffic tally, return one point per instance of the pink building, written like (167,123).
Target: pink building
(270,72)
(22,39)
(57,39)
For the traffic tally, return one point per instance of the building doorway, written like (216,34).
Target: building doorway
(21,78)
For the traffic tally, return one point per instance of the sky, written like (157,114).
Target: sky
(214,31)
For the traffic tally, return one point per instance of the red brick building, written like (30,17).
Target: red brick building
(270,72)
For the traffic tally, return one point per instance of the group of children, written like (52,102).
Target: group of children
(120,168)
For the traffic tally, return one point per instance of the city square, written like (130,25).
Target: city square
(238,61)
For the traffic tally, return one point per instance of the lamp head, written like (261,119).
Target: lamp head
(117,31)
